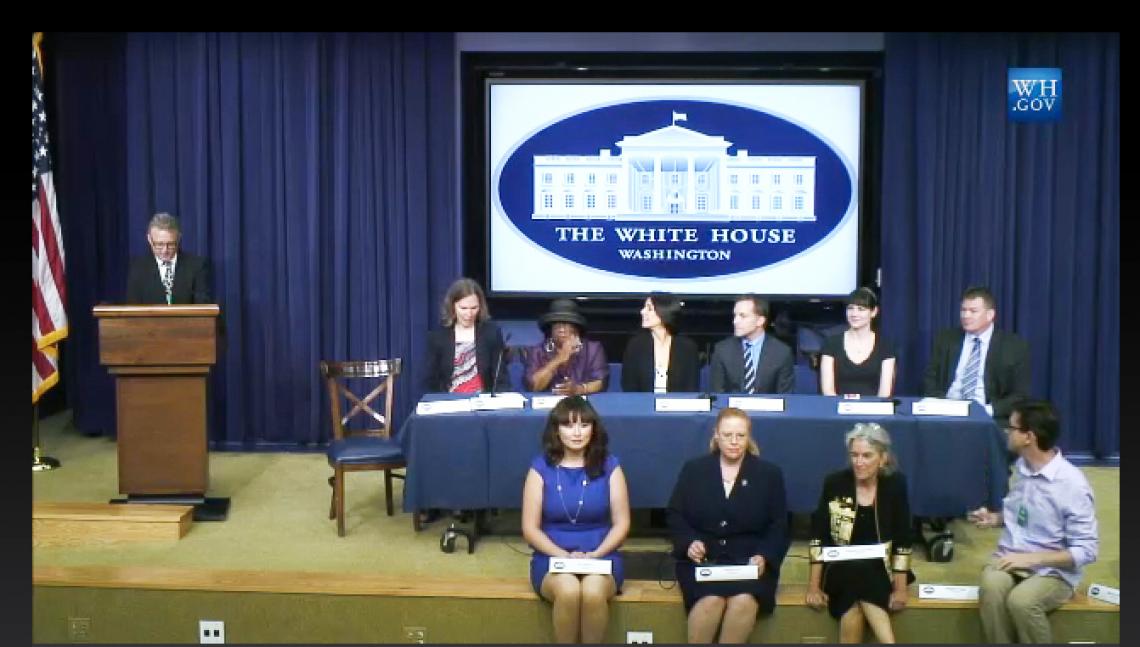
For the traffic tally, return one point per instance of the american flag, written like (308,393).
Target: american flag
(49,320)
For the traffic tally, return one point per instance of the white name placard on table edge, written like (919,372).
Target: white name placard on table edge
(757,404)
(580,566)
(725,573)
(861,551)
(1104,593)
(443,406)
(683,404)
(545,401)
(488,402)
(940,407)
(947,592)
(866,408)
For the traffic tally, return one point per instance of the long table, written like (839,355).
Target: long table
(478,460)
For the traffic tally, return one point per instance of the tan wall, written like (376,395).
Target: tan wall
(129,615)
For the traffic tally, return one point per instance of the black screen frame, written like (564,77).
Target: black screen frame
(477,68)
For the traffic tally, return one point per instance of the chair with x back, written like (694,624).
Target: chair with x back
(362,438)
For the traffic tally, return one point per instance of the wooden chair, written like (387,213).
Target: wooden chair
(355,448)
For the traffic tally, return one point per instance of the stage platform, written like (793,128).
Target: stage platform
(276,572)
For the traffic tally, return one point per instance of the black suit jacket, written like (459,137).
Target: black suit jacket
(1008,379)
(192,279)
(892,507)
(753,520)
(774,371)
(441,356)
(637,365)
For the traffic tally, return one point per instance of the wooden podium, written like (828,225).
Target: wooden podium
(161,356)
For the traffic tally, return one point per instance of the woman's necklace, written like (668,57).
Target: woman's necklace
(581,495)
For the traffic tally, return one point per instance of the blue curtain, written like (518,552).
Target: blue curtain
(315,170)
(1031,210)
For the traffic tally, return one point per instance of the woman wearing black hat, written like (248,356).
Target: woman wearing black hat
(564,362)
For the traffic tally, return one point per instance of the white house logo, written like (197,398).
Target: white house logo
(627,188)
(833,553)
(928,589)
(705,572)
(1094,590)
(559,565)
(674,174)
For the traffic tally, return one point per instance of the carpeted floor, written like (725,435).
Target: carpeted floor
(279,521)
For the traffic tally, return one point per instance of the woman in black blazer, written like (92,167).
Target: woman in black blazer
(657,359)
(863,504)
(463,355)
(728,508)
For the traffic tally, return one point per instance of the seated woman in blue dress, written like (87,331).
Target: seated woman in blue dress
(858,360)
(863,504)
(657,359)
(575,504)
(728,508)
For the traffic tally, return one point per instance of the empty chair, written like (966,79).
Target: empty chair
(361,435)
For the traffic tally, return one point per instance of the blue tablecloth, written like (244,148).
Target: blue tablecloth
(479,460)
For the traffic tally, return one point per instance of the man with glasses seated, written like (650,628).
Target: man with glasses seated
(1049,532)
(168,276)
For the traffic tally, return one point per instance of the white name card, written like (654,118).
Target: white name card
(723,573)
(580,566)
(443,406)
(861,551)
(683,404)
(947,592)
(866,408)
(545,401)
(757,404)
(1104,593)
(488,402)
(941,407)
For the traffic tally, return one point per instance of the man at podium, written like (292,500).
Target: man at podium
(168,276)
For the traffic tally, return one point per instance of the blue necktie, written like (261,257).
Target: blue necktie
(749,369)
(970,377)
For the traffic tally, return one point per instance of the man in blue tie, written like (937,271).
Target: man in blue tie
(168,276)
(751,361)
(978,362)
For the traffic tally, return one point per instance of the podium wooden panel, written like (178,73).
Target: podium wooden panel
(160,356)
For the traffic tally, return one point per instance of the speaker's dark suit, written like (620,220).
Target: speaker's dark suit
(1007,380)
(774,370)
(637,365)
(489,349)
(192,278)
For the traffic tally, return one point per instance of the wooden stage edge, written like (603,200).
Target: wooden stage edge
(419,586)
(94,524)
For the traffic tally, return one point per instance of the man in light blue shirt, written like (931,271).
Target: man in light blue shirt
(1049,535)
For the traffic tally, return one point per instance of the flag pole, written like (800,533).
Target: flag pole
(39,463)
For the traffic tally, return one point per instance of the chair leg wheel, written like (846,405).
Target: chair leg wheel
(447,541)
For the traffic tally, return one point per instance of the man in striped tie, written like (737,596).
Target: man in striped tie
(168,276)
(978,362)
(751,361)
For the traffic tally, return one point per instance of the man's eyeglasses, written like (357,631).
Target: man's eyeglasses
(1010,429)
(164,245)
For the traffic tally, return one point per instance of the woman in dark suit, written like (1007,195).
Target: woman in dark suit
(863,504)
(728,508)
(462,356)
(657,359)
